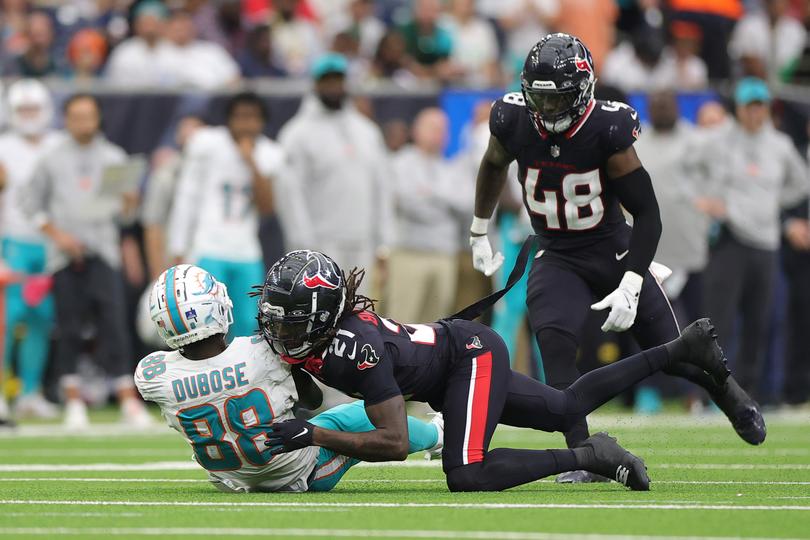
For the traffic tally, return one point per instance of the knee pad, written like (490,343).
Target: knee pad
(464,478)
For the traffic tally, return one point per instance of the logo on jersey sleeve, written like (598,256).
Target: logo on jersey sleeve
(475,343)
(321,278)
(369,359)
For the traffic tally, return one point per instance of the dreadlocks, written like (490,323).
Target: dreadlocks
(355,303)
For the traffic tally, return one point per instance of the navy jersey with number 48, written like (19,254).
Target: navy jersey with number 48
(565,185)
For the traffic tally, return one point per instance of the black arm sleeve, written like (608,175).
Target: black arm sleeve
(635,192)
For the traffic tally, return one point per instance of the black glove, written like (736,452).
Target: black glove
(289,435)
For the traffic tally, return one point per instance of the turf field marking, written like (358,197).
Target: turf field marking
(414,463)
(183,451)
(471,506)
(37,513)
(342,533)
(389,481)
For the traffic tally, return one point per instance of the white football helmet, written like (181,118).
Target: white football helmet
(187,304)
(30,107)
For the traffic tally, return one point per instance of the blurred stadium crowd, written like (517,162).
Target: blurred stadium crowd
(87,225)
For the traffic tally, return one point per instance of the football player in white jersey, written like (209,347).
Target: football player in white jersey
(30,110)
(223,397)
(227,176)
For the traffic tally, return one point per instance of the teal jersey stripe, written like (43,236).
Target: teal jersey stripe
(171,304)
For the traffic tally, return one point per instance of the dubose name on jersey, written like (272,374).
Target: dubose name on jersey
(222,405)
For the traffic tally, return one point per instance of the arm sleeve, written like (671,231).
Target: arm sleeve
(182,217)
(636,194)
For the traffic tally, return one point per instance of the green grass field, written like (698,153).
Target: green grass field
(705,483)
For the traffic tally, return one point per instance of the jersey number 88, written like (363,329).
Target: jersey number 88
(247,419)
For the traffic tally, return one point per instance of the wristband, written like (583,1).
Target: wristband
(632,282)
(479,226)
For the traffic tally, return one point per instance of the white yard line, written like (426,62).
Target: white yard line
(414,463)
(465,506)
(388,481)
(340,533)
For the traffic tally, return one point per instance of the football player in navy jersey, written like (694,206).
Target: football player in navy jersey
(311,315)
(577,166)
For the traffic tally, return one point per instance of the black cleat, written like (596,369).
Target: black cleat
(580,477)
(742,411)
(697,345)
(611,460)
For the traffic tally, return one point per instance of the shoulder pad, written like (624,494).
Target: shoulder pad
(623,125)
(503,115)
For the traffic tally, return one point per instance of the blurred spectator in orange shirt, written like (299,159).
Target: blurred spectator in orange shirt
(86,52)
(592,21)
(716,19)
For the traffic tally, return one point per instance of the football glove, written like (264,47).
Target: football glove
(483,260)
(289,435)
(623,303)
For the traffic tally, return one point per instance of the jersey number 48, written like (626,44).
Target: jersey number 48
(581,207)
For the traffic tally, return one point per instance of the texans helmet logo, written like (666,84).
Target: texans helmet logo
(583,65)
(321,279)
(370,358)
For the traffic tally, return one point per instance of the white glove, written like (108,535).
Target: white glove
(623,303)
(483,260)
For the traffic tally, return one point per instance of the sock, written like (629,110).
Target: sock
(421,435)
(596,387)
(504,468)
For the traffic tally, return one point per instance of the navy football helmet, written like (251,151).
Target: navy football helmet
(557,82)
(302,297)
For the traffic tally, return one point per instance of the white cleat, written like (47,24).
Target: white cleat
(35,406)
(76,415)
(435,452)
(135,414)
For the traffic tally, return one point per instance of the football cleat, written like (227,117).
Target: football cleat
(742,411)
(611,460)
(435,452)
(697,345)
(580,477)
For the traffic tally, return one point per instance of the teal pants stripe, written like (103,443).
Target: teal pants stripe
(351,417)
(239,277)
(510,311)
(35,321)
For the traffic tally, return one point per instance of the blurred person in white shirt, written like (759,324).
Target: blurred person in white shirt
(226,183)
(340,162)
(196,63)
(475,46)
(358,19)
(143,60)
(24,251)
(647,63)
(296,41)
(766,43)
(422,271)
(526,21)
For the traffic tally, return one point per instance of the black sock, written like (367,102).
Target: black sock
(504,468)
(599,386)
